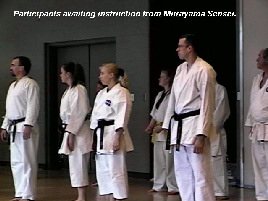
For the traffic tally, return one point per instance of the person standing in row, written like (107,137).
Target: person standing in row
(22,110)
(109,120)
(257,120)
(189,119)
(77,140)
(163,159)
(219,144)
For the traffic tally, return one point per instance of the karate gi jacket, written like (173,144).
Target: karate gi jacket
(221,114)
(116,105)
(158,115)
(74,108)
(192,90)
(257,117)
(22,102)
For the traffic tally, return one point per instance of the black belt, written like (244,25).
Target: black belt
(14,123)
(101,124)
(179,118)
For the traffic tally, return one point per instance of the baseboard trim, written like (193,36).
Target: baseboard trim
(139,175)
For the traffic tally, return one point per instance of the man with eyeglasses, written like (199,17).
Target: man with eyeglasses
(20,122)
(189,120)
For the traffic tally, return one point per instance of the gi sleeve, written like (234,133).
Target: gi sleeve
(222,110)
(154,109)
(170,109)
(206,87)
(249,120)
(93,118)
(79,108)
(121,110)
(33,105)
(5,121)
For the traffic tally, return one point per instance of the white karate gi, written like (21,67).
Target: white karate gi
(116,105)
(193,90)
(219,145)
(23,101)
(164,175)
(73,110)
(257,118)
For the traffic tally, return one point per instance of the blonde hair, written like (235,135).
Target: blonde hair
(119,74)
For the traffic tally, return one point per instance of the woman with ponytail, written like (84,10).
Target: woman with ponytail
(77,140)
(164,175)
(122,78)
(109,120)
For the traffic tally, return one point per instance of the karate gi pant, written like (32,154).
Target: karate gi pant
(78,168)
(194,173)
(112,174)
(24,165)
(221,185)
(260,164)
(164,175)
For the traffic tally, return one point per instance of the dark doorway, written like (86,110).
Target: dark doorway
(218,47)
(90,54)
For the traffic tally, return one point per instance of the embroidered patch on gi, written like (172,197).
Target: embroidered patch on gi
(108,102)
(267,89)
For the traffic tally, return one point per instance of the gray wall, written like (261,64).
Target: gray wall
(255,24)
(27,35)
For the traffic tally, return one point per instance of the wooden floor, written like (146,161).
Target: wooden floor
(55,186)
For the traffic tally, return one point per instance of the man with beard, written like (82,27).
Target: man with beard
(22,109)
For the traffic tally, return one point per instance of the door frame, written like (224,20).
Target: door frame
(51,89)
(240,97)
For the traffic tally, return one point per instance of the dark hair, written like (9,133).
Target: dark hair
(122,77)
(77,72)
(120,73)
(26,62)
(170,74)
(191,40)
(100,83)
(265,54)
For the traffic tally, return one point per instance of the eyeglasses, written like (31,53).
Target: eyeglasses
(15,65)
(181,46)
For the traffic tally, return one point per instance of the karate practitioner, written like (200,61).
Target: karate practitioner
(109,118)
(257,120)
(20,122)
(192,104)
(77,141)
(164,176)
(219,145)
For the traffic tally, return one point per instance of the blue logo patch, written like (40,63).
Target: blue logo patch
(108,102)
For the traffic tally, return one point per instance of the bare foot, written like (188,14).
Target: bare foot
(152,191)
(94,184)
